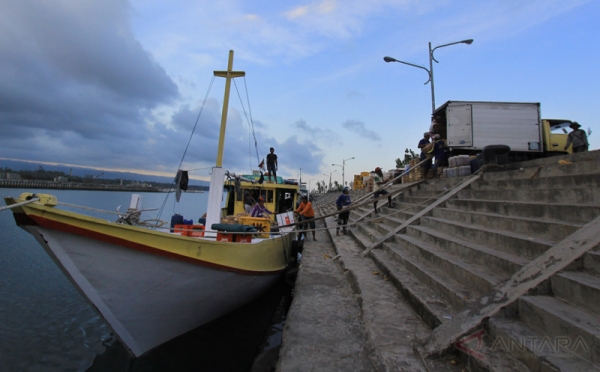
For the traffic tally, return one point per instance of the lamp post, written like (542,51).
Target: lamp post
(329,189)
(430,70)
(343,170)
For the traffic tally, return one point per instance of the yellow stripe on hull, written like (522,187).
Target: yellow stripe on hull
(260,256)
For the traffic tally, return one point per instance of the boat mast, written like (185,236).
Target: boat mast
(228,75)
(215,192)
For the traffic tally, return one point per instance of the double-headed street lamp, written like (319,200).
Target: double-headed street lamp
(430,71)
(343,170)
(329,179)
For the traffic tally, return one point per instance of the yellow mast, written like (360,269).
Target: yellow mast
(228,75)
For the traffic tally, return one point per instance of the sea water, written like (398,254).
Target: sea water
(46,325)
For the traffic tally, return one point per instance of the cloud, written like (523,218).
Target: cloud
(315,134)
(359,128)
(76,82)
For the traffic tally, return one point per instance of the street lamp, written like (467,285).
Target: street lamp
(343,170)
(430,70)
(330,179)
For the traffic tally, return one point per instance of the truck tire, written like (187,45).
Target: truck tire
(495,154)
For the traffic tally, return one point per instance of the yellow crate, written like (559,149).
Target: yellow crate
(357,177)
(262,225)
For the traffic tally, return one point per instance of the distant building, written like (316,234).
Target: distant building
(12,176)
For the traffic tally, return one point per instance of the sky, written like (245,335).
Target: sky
(128,85)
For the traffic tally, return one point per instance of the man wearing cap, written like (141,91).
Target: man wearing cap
(578,138)
(378,182)
(259,208)
(341,202)
(306,212)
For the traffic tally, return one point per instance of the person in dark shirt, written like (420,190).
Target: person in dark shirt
(578,138)
(341,202)
(439,153)
(272,164)
(427,165)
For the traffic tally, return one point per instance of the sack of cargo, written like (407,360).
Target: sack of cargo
(428,148)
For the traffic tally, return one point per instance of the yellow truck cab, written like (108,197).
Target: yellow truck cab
(555,132)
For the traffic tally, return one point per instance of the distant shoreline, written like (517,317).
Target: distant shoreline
(27,184)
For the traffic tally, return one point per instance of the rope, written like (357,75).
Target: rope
(248,119)
(86,208)
(162,207)
(16,205)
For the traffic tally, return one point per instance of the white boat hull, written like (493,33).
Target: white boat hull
(148,299)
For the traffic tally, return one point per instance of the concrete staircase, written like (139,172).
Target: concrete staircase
(460,251)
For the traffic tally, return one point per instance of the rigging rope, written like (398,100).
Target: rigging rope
(162,207)
(249,120)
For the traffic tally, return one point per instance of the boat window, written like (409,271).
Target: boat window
(267,195)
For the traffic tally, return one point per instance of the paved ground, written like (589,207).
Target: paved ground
(323,330)
(346,316)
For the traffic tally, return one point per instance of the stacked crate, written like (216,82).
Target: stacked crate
(416,174)
(368,183)
(358,182)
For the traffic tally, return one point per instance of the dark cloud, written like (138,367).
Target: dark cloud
(76,83)
(359,128)
(78,88)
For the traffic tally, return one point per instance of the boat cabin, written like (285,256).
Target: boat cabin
(279,197)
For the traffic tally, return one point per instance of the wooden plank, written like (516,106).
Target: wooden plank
(531,275)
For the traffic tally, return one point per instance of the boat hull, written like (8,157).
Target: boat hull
(146,294)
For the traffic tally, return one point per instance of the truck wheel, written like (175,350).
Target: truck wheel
(495,154)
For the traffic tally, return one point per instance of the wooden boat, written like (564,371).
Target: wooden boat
(153,285)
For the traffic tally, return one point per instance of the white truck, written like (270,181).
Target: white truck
(470,126)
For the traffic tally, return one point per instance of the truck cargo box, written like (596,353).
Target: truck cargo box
(472,125)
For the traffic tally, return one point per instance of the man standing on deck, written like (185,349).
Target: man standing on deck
(272,164)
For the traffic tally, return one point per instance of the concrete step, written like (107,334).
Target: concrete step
(558,182)
(554,230)
(556,320)
(534,349)
(378,224)
(579,195)
(428,304)
(579,288)
(477,278)
(368,233)
(504,264)
(580,163)
(455,294)
(574,213)
(525,246)
(591,262)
